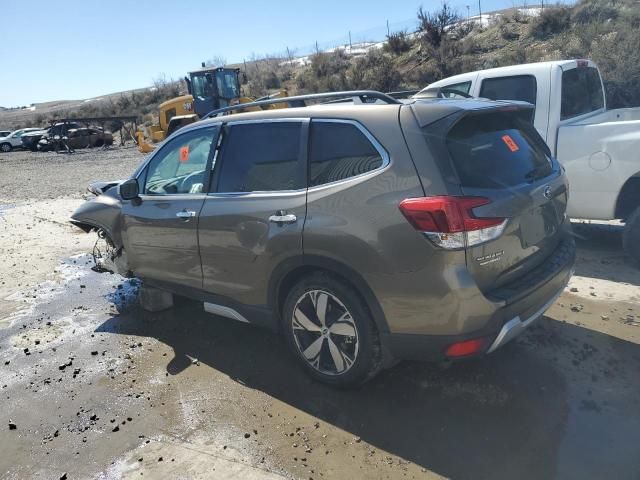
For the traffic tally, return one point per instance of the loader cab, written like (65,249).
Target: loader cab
(213,88)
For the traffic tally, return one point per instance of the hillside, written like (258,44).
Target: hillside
(606,31)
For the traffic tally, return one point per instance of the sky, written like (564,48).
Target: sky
(76,49)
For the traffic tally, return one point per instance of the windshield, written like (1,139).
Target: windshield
(228,84)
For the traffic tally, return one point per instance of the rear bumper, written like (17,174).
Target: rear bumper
(516,325)
(518,306)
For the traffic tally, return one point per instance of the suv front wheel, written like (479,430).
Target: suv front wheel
(329,329)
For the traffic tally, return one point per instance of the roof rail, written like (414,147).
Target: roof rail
(402,94)
(299,100)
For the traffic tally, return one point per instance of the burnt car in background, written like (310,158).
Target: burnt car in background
(30,140)
(84,137)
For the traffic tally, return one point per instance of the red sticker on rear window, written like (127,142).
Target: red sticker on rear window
(184,154)
(509,142)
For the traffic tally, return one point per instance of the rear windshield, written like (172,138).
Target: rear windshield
(496,150)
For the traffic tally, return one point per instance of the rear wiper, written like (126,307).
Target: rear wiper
(538,173)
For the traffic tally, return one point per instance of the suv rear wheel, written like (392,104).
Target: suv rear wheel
(329,329)
(631,236)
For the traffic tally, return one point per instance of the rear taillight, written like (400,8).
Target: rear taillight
(449,222)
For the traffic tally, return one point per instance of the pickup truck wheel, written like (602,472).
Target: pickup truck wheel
(330,331)
(631,236)
(6,147)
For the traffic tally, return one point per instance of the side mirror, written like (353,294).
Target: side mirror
(129,190)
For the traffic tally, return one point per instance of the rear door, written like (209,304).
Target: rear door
(253,217)
(499,156)
(160,229)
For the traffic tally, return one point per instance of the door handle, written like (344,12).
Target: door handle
(290,218)
(186,214)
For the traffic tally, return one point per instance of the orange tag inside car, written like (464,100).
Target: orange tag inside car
(511,145)
(184,154)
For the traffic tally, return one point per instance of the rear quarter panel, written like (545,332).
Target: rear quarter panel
(358,224)
(599,158)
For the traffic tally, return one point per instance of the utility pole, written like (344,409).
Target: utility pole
(388,31)
(468,13)
(350,45)
(317,49)
(542,2)
(480,10)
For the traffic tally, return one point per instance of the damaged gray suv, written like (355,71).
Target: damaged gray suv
(364,230)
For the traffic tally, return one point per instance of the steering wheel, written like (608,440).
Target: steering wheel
(189,182)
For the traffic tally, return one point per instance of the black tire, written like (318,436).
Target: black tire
(367,350)
(5,147)
(631,236)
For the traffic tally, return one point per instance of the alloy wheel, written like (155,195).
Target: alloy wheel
(325,332)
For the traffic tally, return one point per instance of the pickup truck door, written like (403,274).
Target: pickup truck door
(160,229)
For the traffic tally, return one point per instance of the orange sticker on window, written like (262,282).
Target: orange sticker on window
(184,154)
(508,141)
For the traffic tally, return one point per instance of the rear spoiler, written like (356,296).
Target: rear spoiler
(430,110)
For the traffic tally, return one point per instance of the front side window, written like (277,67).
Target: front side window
(581,92)
(179,167)
(261,157)
(202,86)
(339,150)
(520,87)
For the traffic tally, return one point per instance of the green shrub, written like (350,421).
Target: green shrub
(397,43)
(588,12)
(375,71)
(550,22)
(327,72)
(434,26)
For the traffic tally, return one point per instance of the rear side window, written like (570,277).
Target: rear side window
(581,92)
(497,150)
(454,91)
(339,151)
(258,157)
(519,87)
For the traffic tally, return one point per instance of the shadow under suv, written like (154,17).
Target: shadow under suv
(363,233)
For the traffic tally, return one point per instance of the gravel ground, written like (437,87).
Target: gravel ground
(93,387)
(26,175)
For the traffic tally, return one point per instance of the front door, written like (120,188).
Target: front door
(254,215)
(161,228)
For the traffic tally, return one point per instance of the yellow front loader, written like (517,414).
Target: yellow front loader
(209,89)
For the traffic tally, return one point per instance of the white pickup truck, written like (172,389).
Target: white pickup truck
(599,148)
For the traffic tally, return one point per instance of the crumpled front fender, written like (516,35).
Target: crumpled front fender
(102,212)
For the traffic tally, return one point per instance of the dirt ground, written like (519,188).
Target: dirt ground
(92,387)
